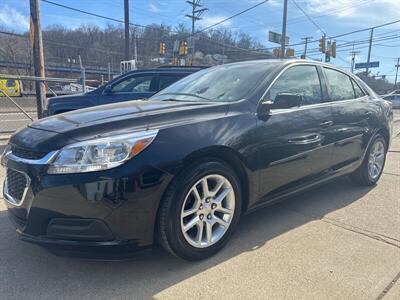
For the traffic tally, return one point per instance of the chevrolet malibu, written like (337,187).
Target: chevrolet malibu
(179,170)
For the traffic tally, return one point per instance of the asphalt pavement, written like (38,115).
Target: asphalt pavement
(339,241)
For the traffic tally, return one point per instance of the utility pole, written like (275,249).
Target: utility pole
(38,56)
(126,14)
(306,39)
(397,72)
(353,58)
(283,41)
(195,16)
(371,36)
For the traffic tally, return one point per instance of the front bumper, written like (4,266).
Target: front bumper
(105,210)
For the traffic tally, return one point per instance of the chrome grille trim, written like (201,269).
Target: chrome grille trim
(48,158)
(10,199)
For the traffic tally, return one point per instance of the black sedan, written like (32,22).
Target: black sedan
(180,169)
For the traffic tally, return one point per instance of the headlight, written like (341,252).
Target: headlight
(100,154)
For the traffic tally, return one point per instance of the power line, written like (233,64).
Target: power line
(231,17)
(339,35)
(308,17)
(151,27)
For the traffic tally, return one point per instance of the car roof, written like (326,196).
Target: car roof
(283,62)
(166,70)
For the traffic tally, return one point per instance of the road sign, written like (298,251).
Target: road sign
(372,64)
(274,37)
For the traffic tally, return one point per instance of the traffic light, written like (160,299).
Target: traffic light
(289,52)
(183,48)
(327,57)
(322,44)
(277,52)
(333,49)
(162,48)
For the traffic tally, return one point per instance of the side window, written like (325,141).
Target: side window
(136,84)
(167,80)
(357,90)
(301,80)
(339,85)
(10,83)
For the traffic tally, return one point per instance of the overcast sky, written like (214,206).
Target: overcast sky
(333,17)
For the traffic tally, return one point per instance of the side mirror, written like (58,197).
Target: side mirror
(287,100)
(108,89)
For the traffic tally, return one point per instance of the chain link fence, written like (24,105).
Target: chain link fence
(18,105)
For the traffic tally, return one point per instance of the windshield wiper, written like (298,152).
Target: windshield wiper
(187,94)
(175,100)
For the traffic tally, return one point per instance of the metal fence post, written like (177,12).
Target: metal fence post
(83,80)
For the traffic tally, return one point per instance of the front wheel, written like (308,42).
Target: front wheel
(372,167)
(200,211)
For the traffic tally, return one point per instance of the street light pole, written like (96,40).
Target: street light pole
(283,38)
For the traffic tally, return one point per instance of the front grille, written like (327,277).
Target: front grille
(16,182)
(26,153)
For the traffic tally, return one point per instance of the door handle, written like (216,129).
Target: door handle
(368,114)
(326,124)
(304,140)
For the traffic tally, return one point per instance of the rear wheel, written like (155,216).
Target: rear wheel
(372,167)
(200,211)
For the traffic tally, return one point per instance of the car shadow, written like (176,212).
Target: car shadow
(147,274)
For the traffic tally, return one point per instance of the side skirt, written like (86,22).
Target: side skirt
(328,177)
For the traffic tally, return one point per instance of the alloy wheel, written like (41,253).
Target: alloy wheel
(376,159)
(207,211)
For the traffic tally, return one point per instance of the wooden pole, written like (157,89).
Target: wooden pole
(38,56)
(126,19)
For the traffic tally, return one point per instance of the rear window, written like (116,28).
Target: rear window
(340,86)
(357,90)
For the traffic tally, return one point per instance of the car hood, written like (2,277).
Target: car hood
(128,117)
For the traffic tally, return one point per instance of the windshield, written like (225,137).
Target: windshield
(225,83)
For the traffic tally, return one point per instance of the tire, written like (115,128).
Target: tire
(180,199)
(363,176)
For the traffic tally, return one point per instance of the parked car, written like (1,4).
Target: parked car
(130,86)
(12,87)
(394,99)
(181,168)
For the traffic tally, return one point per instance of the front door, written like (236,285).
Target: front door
(295,143)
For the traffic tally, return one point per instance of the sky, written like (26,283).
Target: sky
(332,17)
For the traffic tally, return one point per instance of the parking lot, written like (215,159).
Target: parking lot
(339,241)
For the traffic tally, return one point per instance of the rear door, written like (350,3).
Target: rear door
(353,113)
(138,86)
(295,143)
